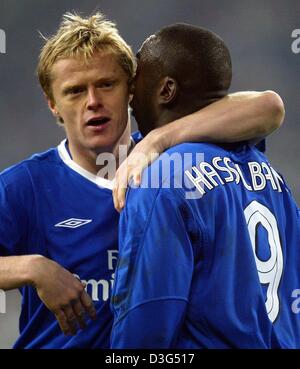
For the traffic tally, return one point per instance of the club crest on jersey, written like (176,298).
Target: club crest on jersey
(73,223)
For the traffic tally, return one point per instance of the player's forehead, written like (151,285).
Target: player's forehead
(101,64)
(73,72)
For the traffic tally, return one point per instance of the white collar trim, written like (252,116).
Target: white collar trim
(65,157)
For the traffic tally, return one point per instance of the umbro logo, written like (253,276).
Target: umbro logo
(73,223)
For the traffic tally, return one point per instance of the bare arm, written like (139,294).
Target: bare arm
(237,117)
(62,293)
(14,271)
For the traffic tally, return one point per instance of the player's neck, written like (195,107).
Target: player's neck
(100,161)
(167,116)
(123,146)
(182,109)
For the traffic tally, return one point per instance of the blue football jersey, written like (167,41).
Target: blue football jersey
(208,254)
(51,206)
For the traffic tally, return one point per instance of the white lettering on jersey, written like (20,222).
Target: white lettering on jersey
(221,171)
(100,289)
(258,178)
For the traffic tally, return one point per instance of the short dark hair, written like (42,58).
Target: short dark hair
(195,57)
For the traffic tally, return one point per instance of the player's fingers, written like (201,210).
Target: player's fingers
(133,180)
(119,192)
(122,175)
(138,171)
(80,314)
(71,318)
(115,197)
(63,322)
(137,177)
(123,180)
(88,305)
(121,198)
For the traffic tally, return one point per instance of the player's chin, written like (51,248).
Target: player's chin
(102,144)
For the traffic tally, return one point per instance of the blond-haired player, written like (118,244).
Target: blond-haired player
(58,229)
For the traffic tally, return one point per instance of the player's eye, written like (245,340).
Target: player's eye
(76,90)
(106,84)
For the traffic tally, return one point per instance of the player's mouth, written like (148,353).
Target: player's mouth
(98,123)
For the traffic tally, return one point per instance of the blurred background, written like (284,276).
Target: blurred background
(257,32)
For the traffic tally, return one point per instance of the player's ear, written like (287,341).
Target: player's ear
(167,91)
(53,108)
(51,105)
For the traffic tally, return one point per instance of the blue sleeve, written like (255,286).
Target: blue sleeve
(16,202)
(154,272)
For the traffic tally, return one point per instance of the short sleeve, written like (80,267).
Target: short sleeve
(15,205)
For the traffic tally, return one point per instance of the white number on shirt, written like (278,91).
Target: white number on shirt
(269,271)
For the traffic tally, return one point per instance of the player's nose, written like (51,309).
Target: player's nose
(94,100)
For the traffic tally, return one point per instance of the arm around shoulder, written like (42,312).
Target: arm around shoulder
(273,103)
(240,116)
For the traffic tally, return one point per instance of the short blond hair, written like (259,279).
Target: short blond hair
(82,37)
